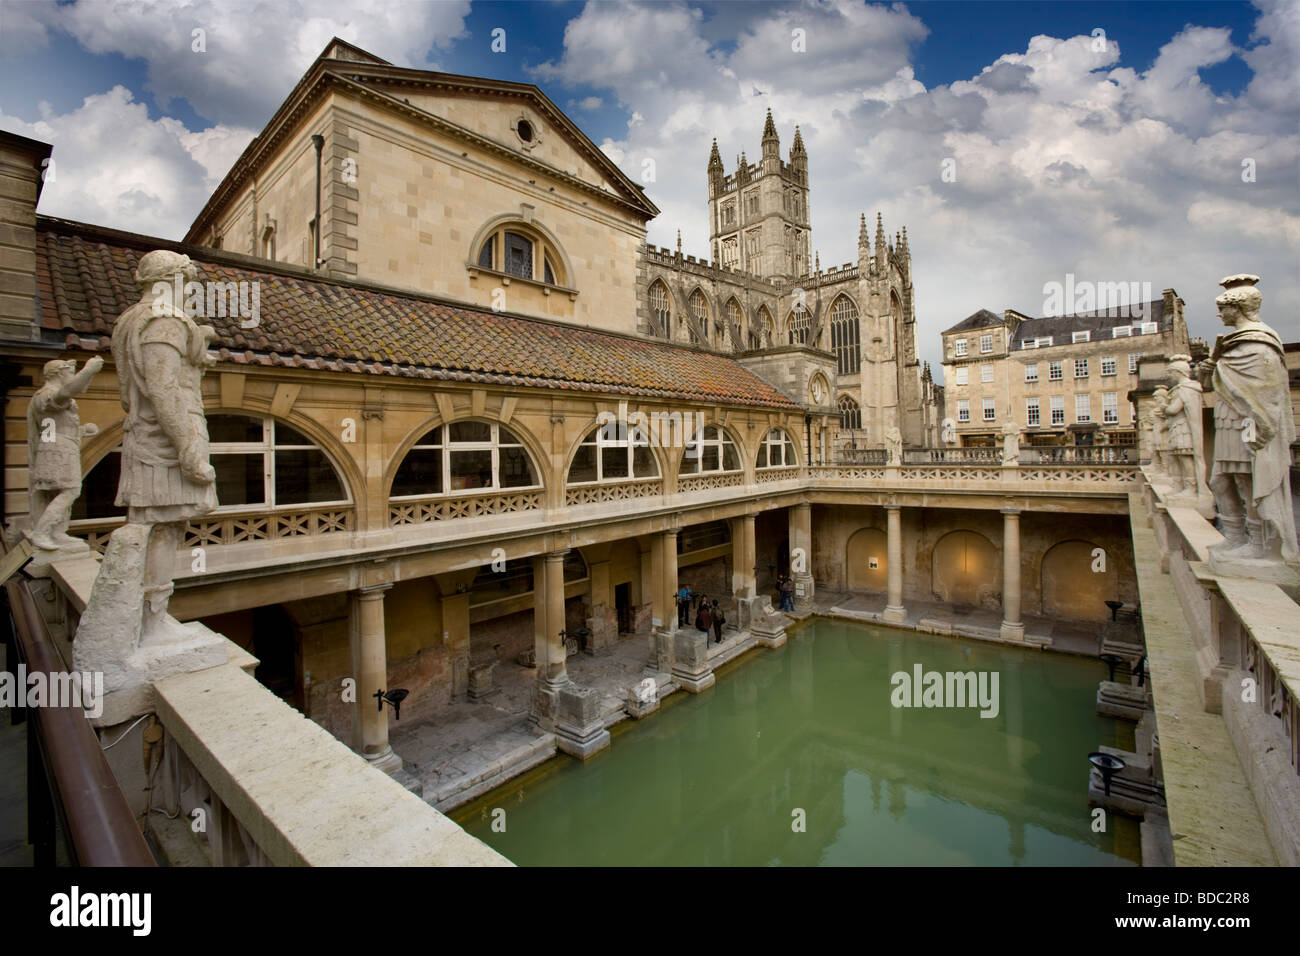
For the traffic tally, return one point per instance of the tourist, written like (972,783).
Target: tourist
(718,621)
(683,605)
(787,594)
(704,620)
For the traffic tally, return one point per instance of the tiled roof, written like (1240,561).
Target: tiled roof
(978,320)
(1098,324)
(86,278)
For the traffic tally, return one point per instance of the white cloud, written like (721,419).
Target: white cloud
(1066,162)
(256,50)
(114,166)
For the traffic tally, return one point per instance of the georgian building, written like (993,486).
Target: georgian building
(1064,379)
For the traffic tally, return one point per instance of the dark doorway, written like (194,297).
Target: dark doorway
(276,645)
(623,607)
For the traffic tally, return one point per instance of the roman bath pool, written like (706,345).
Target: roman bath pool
(797,757)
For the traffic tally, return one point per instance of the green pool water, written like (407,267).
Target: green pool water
(808,734)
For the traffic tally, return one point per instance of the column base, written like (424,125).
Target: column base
(388,761)
(804,589)
(691,668)
(579,730)
(1012,632)
(894,614)
(769,632)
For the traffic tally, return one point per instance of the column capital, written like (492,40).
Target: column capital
(1009,511)
(558,555)
(891,506)
(671,531)
(372,592)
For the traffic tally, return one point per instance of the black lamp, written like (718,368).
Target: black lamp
(394,697)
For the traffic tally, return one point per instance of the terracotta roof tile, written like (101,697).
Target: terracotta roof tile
(86,278)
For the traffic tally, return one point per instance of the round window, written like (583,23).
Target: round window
(525,130)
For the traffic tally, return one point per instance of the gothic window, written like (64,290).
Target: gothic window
(799,324)
(700,310)
(517,250)
(850,413)
(464,456)
(844,335)
(614,452)
(711,450)
(730,251)
(660,311)
(751,242)
(735,322)
(762,329)
(729,213)
(776,450)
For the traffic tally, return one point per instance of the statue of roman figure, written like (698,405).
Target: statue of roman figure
(1010,442)
(894,445)
(1253,431)
(54,433)
(161,354)
(1159,439)
(1184,449)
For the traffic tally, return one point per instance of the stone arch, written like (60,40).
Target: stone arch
(965,570)
(660,455)
(864,545)
(743,450)
(1069,586)
(537,454)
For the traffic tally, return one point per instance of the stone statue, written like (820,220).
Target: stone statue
(894,445)
(1253,431)
(1159,457)
(1184,449)
(1146,436)
(54,433)
(1010,442)
(160,354)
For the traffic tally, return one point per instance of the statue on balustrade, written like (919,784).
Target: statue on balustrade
(54,433)
(160,355)
(1184,445)
(1010,442)
(1159,439)
(894,446)
(1253,431)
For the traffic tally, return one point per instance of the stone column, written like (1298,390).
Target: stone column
(801,555)
(894,610)
(370,663)
(1012,627)
(665,608)
(552,667)
(743,555)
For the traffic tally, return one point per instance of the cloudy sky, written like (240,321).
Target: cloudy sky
(1135,142)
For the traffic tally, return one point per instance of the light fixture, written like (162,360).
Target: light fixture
(394,697)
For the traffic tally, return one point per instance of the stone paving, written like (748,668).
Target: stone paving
(464,749)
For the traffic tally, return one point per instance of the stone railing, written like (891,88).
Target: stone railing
(728,479)
(957,473)
(1079,454)
(1247,660)
(447,507)
(613,491)
(861,456)
(236,527)
(764,476)
(843,472)
(956,456)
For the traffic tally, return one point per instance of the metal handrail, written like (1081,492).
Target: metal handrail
(100,827)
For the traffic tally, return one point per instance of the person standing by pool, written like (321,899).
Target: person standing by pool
(683,605)
(704,620)
(787,594)
(718,621)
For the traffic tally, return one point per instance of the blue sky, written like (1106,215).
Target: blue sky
(1118,165)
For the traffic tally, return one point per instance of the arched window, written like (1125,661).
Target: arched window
(700,310)
(260,463)
(735,324)
(613,452)
(799,324)
(850,413)
(776,450)
(761,333)
(711,450)
(517,250)
(464,456)
(661,313)
(844,335)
